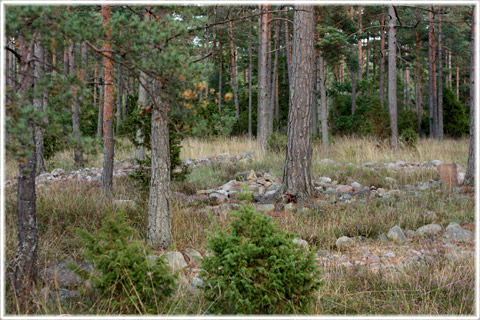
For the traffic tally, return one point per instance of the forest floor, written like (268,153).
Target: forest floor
(364,191)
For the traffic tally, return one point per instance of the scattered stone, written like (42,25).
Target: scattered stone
(460,177)
(343,189)
(57,172)
(456,256)
(300,243)
(264,207)
(252,176)
(436,163)
(356,186)
(290,207)
(61,274)
(323,253)
(197,283)
(219,196)
(396,234)
(411,233)
(194,256)
(344,242)
(456,233)
(429,230)
(175,260)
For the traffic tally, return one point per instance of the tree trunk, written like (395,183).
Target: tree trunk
(367,62)
(66,63)
(142,103)
(392,75)
(440,79)
(382,59)
(360,46)
(288,47)
(418,81)
(297,176)
(119,98)
(220,79)
(159,234)
(273,93)
(458,83)
(322,102)
(25,263)
(263,128)
(77,148)
(450,69)
(38,102)
(234,67)
(100,106)
(250,80)
(354,90)
(431,77)
(470,174)
(108,105)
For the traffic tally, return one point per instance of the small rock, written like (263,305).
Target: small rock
(456,233)
(57,172)
(300,243)
(396,234)
(61,274)
(429,230)
(323,253)
(197,283)
(252,176)
(436,163)
(289,207)
(410,233)
(344,242)
(356,186)
(194,256)
(264,207)
(456,256)
(343,189)
(460,177)
(175,260)
(219,196)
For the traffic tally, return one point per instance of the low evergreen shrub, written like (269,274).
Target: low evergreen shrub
(255,268)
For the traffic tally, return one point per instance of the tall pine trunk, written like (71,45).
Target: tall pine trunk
(38,102)
(108,106)
(220,79)
(250,65)
(297,176)
(77,151)
(322,101)
(392,75)
(440,79)
(273,86)
(234,67)
(382,59)
(263,128)
(418,90)
(470,174)
(142,103)
(432,109)
(119,98)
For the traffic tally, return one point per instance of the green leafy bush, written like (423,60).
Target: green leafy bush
(256,268)
(277,142)
(126,278)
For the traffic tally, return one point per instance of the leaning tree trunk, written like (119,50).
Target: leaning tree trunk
(234,67)
(108,106)
(440,80)
(263,130)
(77,152)
(25,263)
(392,76)
(382,59)
(142,103)
(470,175)
(159,225)
(297,176)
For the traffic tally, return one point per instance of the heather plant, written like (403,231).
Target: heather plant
(126,277)
(255,268)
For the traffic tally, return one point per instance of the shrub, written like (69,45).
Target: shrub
(455,118)
(126,278)
(277,142)
(256,268)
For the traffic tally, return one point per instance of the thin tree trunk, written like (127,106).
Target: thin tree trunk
(142,103)
(322,102)
(263,128)
(250,65)
(288,47)
(392,75)
(382,59)
(159,234)
(66,63)
(354,82)
(38,103)
(360,46)
(297,176)
(119,98)
(431,77)
(77,148)
(25,263)
(470,174)
(450,69)
(440,80)
(374,61)
(273,93)
(108,106)
(220,79)
(418,81)
(100,107)
(458,83)
(234,67)
(367,62)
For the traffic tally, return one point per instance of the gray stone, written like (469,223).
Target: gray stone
(345,197)
(460,177)
(436,163)
(356,186)
(429,230)
(456,233)
(194,256)
(381,237)
(300,243)
(197,283)
(61,274)
(57,172)
(344,242)
(396,234)
(411,233)
(219,196)
(455,256)
(323,253)
(175,260)
(264,207)
(343,189)
(289,207)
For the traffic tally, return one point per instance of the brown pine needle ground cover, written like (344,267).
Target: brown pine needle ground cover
(437,286)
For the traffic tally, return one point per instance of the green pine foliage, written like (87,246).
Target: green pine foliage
(127,280)
(256,268)
(455,118)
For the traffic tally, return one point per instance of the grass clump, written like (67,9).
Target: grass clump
(256,268)
(126,278)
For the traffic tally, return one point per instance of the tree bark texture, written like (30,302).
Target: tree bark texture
(392,75)
(38,102)
(431,77)
(382,59)
(142,103)
(234,67)
(250,66)
(77,148)
(418,90)
(470,174)
(108,106)
(440,80)
(298,160)
(159,223)
(323,107)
